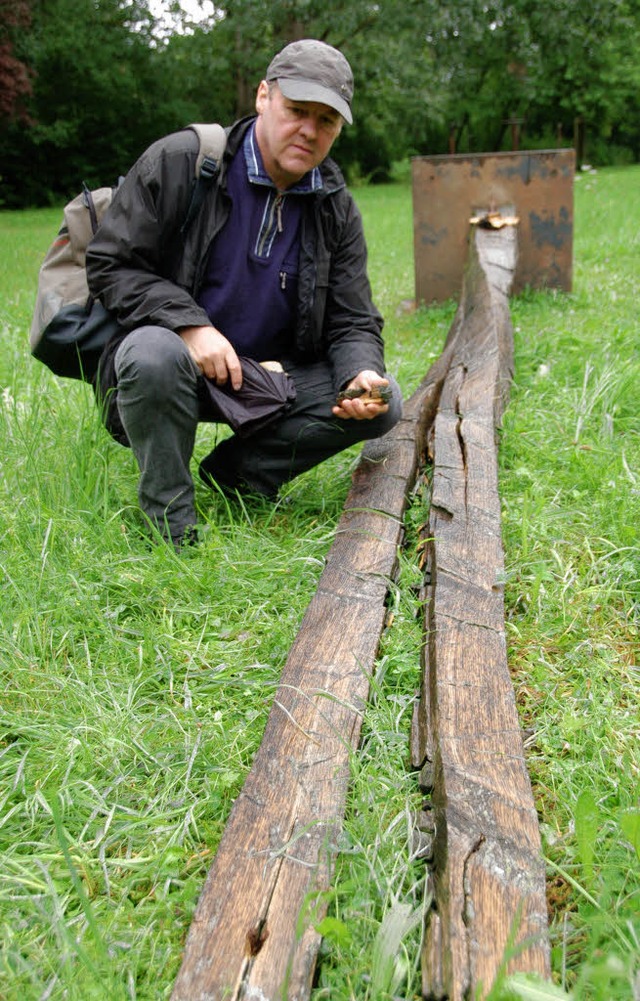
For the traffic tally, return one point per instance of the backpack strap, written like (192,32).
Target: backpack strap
(213,140)
(87,199)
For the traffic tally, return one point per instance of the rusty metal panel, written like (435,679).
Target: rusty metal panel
(449,190)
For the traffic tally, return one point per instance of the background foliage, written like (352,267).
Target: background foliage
(86,85)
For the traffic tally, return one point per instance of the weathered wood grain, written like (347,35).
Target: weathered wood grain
(488,876)
(252,935)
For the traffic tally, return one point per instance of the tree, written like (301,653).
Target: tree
(385,43)
(85,85)
(15,77)
(590,64)
(547,63)
(99,97)
(485,60)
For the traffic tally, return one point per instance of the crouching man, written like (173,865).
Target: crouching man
(273,268)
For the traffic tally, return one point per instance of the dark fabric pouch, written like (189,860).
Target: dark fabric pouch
(263,397)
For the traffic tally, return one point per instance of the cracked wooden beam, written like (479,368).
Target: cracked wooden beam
(487,876)
(252,935)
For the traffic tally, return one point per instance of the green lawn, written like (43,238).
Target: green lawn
(136,683)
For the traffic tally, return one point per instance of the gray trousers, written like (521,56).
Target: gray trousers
(160,408)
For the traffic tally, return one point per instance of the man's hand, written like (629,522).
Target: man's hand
(358,409)
(213,354)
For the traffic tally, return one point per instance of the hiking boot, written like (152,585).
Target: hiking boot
(214,475)
(223,477)
(186,539)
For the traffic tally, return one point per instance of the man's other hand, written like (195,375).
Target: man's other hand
(357,408)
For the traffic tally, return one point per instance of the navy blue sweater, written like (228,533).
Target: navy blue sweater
(250,289)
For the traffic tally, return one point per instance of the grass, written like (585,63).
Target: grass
(136,684)
(571,493)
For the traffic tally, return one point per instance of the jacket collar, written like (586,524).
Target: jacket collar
(330,173)
(311,182)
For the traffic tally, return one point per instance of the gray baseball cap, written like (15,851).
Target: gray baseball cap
(310,70)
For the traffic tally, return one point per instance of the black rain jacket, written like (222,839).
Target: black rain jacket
(144,271)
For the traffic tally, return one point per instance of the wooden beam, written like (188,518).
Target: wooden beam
(252,935)
(488,874)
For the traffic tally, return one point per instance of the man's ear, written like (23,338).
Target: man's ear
(262,96)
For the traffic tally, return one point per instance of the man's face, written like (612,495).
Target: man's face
(293,136)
